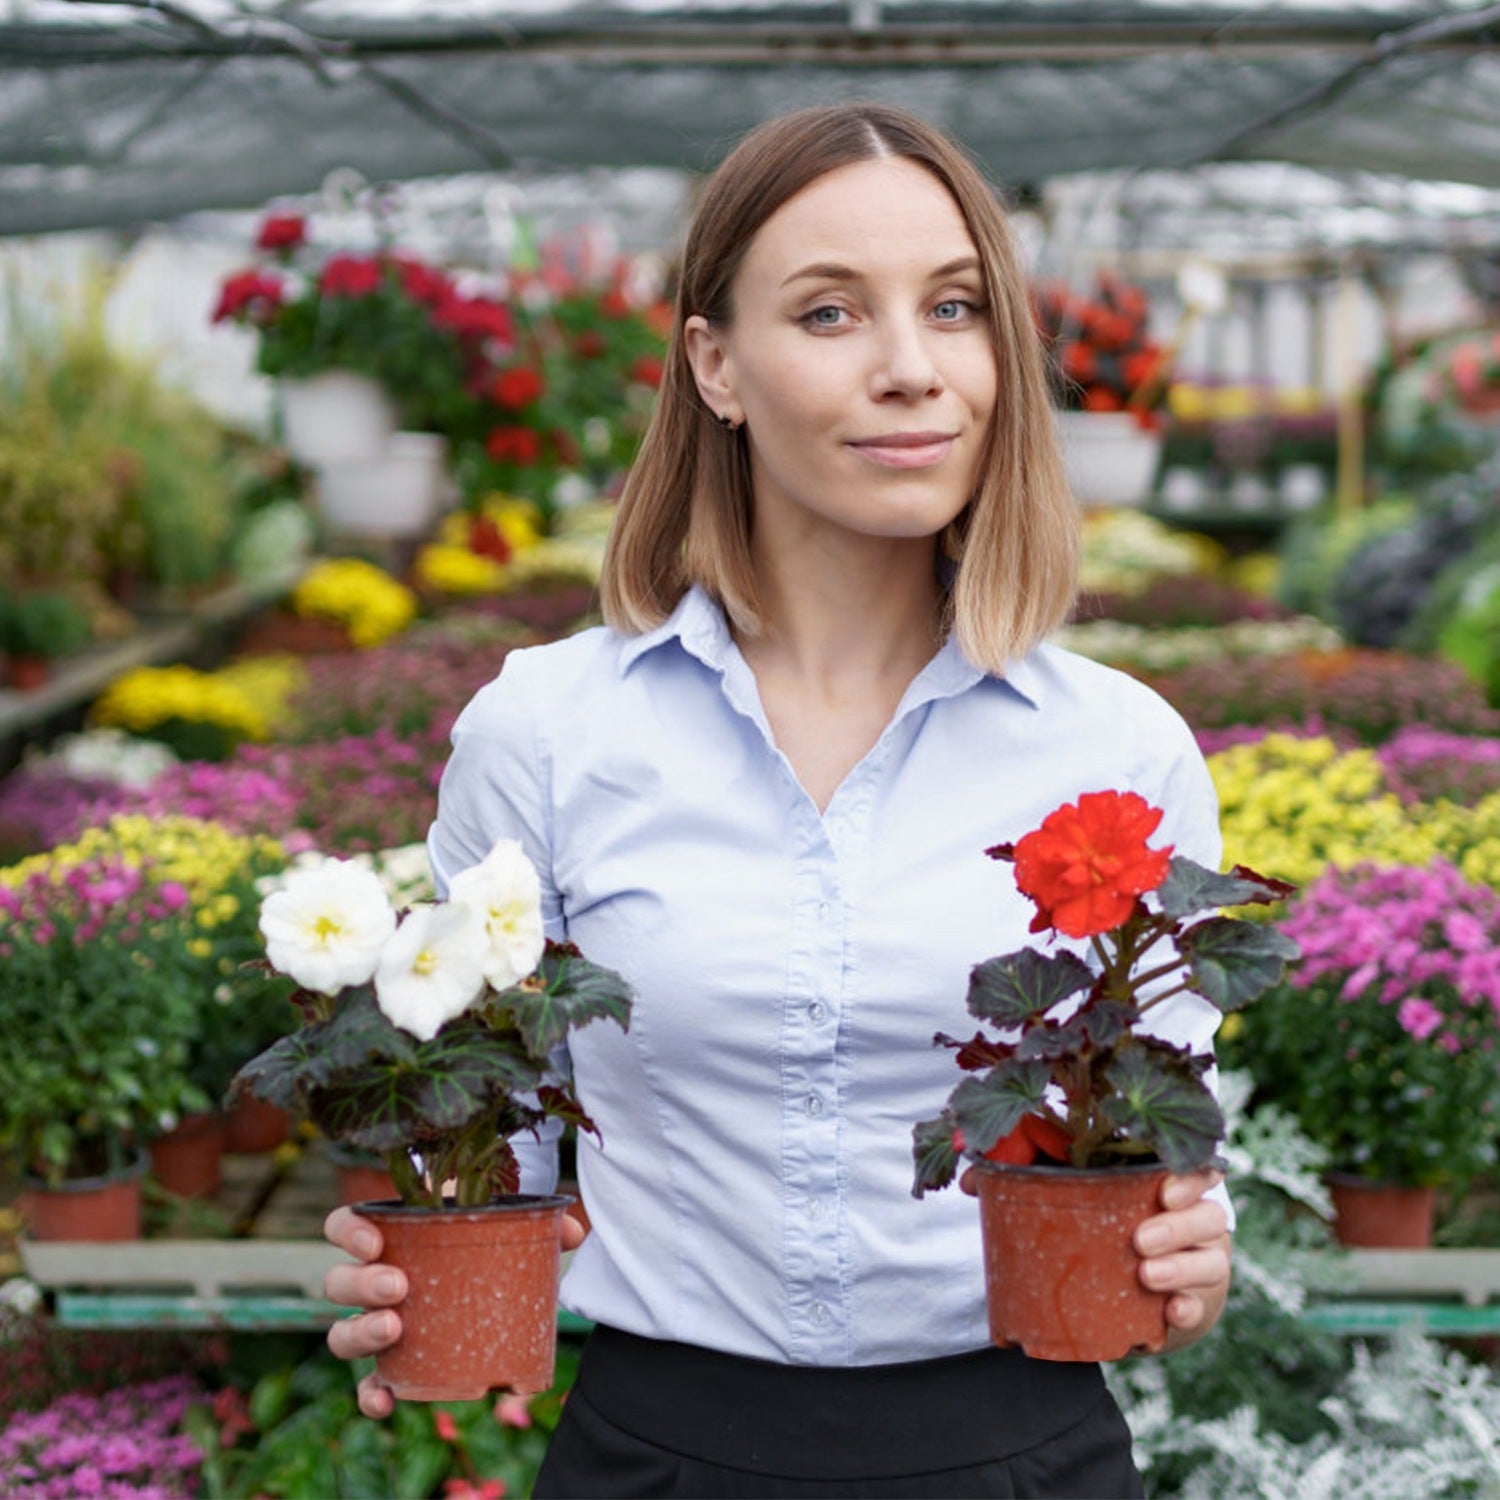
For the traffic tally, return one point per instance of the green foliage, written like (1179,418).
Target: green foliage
(100,1026)
(307,1438)
(103,468)
(42,622)
(1314,549)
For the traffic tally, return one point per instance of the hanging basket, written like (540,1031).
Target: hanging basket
(1110,458)
(334,417)
(1061,1268)
(481,1307)
(397,495)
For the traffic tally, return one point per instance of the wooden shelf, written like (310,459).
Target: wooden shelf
(84,677)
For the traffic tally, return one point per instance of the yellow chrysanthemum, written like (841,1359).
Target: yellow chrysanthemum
(142,699)
(370,604)
(455,570)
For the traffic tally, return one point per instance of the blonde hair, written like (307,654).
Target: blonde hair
(685,514)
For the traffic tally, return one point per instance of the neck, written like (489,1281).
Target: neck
(871,609)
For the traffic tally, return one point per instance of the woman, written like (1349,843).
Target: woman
(762,793)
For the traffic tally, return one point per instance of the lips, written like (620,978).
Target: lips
(906,450)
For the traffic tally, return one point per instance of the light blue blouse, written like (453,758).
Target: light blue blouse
(752,1192)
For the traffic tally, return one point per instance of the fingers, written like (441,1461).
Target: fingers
(352,1234)
(374,1285)
(375,1400)
(1186,1189)
(969,1182)
(573,1233)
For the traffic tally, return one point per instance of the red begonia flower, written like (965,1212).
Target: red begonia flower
(1088,862)
(516,445)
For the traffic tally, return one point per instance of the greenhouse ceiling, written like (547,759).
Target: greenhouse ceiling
(122,114)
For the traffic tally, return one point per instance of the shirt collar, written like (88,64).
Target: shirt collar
(699,624)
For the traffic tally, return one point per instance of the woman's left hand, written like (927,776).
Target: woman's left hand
(1184,1252)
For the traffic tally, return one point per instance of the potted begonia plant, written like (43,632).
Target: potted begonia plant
(426,1039)
(1384,1039)
(1077,1113)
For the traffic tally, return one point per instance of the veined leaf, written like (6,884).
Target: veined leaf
(1190,887)
(1158,1098)
(932,1151)
(573,993)
(1230,962)
(1022,986)
(989,1107)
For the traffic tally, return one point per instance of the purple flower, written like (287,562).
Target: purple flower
(1420,1018)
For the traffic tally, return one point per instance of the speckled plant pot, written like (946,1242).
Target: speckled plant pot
(1060,1263)
(481,1308)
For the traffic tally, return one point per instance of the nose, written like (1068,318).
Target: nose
(905,366)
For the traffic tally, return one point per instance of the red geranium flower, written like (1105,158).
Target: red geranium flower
(282,232)
(349,276)
(647,369)
(445,1427)
(421,282)
(254,292)
(475,317)
(515,445)
(517,387)
(1087,863)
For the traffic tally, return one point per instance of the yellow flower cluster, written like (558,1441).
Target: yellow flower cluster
(202,856)
(1292,807)
(269,682)
(141,699)
(449,565)
(1231,403)
(1123,550)
(370,604)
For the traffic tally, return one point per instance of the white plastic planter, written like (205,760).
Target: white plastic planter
(1111,460)
(335,417)
(397,495)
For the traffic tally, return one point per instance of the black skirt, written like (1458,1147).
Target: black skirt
(648,1418)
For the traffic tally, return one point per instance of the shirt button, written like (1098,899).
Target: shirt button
(822,911)
(814,1208)
(817,1012)
(814,1105)
(820,1312)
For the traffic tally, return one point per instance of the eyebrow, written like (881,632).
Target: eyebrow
(833,271)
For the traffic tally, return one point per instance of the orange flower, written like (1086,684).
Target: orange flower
(1087,863)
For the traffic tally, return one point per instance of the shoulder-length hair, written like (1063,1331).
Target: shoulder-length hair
(685,513)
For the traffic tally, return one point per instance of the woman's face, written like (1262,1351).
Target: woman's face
(859,356)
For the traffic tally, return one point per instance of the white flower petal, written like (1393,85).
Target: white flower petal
(432,969)
(325,927)
(505,893)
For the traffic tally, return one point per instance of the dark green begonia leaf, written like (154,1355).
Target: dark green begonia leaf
(932,1151)
(987,1108)
(1230,962)
(1158,1099)
(573,992)
(1190,887)
(1023,986)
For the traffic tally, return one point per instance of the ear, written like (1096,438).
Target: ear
(713,371)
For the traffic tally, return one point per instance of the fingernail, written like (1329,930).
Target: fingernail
(366,1243)
(388,1284)
(1150,1240)
(386,1328)
(1154,1272)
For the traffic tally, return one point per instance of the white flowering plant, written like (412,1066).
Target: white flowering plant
(426,1034)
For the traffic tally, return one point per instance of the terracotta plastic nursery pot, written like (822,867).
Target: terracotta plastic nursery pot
(186,1160)
(481,1307)
(1061,1271)
(255,1126)
(1381,1215)
(86,1208)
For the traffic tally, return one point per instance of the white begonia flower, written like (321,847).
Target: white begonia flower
(504,892)
(326,926)
(432,969)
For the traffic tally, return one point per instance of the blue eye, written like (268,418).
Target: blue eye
(953,310)
(823,317)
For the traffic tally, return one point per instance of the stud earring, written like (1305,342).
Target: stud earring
(727,422)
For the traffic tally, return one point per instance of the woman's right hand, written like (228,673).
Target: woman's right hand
(379,1289)
(375,1287)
